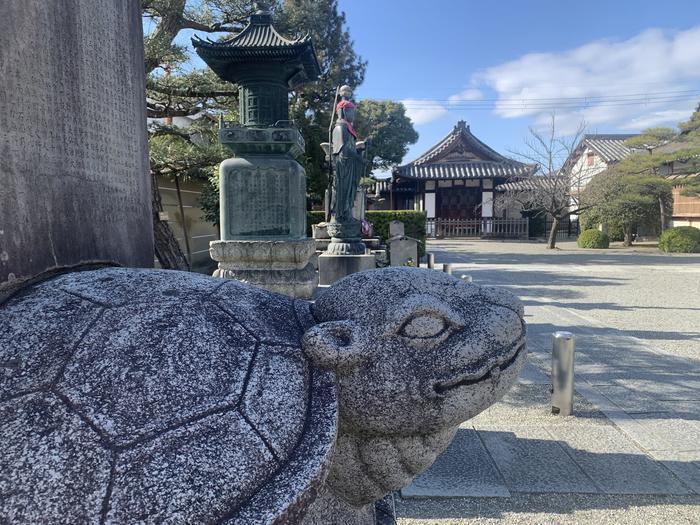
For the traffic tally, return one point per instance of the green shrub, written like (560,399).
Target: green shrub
(589,221)
(681,239)
(615,233)
(313,217)
(414,223)
(593,239)
(586,221)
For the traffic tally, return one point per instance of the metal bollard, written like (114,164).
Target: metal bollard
(563,345)
(447,268)
(431,260)
(466,278)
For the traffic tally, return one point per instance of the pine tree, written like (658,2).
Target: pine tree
(177,90)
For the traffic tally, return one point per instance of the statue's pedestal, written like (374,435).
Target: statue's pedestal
(332,268)
(345,253)
(282,266)
(346,238)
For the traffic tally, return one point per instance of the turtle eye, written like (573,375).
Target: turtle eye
(424,326)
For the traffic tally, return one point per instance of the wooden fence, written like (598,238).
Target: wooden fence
(485,228)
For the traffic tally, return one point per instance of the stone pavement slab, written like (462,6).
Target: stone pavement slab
(613,463)
(535,451)
(665,387)
(654,433)
(663,433)
(629,401)
(685,465)
(550,509)
(464,469)
(531,461)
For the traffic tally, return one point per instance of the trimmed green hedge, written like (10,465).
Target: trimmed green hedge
(313,217)
(593,239)
(414,223)
(681,239)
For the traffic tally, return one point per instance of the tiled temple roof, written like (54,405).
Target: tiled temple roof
(464,170)
(435,164)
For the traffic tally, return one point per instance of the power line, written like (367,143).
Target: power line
(557,103)
(548,104)
(622,97)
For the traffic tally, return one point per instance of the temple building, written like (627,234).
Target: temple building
(454,179)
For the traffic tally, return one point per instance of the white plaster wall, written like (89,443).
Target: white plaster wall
(581,173)
(430,205)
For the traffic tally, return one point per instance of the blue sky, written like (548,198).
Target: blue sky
(636,63)
(505,65)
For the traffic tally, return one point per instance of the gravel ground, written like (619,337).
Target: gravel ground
(639,291)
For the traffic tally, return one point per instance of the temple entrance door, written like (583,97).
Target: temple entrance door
(458,203)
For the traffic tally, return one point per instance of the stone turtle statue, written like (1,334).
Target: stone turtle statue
(147,396)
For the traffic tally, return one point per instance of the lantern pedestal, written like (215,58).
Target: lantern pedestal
(279,266)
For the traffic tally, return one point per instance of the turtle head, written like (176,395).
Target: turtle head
(415,351)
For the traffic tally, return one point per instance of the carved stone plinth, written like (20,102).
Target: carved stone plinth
(332,268)
(346,238)
(279,266)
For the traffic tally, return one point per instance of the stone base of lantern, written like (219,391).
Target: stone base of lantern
(279,266)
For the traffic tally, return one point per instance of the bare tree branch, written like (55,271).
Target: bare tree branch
(555,190)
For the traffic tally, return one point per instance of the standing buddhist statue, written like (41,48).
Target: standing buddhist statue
(349,166)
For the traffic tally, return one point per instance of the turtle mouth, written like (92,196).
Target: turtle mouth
(493,373)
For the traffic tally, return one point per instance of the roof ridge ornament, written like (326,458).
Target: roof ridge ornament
(261,8)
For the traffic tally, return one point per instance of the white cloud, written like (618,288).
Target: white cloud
(423,111)
(654,64)
(467,94)
(657,118)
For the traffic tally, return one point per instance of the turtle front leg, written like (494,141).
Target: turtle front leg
(330,509)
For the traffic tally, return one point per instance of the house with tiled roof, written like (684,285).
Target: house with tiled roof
(454,179)
(595,153)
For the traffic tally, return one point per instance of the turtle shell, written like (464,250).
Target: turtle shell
(160,397)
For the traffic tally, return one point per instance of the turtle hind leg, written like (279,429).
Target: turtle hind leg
(385,511)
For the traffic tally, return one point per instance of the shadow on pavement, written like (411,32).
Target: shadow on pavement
(560,504)
(459,252)
(550,475)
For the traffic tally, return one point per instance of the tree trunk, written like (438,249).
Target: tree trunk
(551,242)
(165,244)
(664,214)
(165,32)
(627,230)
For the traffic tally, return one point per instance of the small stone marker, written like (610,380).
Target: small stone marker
(403,250)
(396,229)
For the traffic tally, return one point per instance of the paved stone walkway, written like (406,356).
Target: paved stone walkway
(635,432)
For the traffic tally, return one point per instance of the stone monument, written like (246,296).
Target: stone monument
(272,410)
(403,250)
(263,188)
(346,253)
(74,176)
